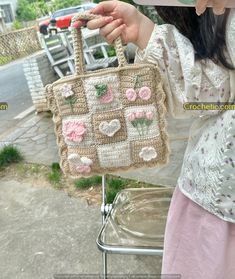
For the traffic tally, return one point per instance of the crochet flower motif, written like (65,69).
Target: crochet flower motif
(148,153)
(141,121)
(131,94)
(66,90)
(74,130)
(81,164)
(145,93)
(68,94)
(104,93)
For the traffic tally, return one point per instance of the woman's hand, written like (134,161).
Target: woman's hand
(121,19)
(218,6)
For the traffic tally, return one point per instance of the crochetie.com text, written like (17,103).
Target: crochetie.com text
(209,106)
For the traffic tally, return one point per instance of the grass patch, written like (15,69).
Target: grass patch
(9,155)
(110,51)
(114,185)
(85,183)
(5,59)
(55,176)
(55,167)
(28,170)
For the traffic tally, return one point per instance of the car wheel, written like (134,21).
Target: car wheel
(43,30)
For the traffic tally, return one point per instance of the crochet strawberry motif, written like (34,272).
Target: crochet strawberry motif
(104,93)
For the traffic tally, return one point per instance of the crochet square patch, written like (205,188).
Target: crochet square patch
(147,151)
(103,93)
(82,160)
(142,122)
(114,155)
(70,98)
(77,131)
(138,87)
(109,127)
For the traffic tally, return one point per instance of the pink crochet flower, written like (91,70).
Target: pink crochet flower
(74,130)
(149,115)
(145,93)
(131,116)
(140,114)
(83,169)
(131,94)
(107,98)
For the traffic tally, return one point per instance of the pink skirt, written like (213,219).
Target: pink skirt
(197,243)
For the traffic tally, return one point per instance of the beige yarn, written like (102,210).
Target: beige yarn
(123,148)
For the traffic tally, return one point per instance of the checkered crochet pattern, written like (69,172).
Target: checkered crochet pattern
(109,120)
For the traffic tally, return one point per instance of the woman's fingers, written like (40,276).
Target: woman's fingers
(79,23)
(219,6)
(104,7)
(99,22)
(108,28)
(201,6)
(114,34)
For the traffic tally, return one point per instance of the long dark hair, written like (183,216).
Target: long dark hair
(207,32)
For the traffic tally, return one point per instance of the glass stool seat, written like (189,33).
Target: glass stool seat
(136,222)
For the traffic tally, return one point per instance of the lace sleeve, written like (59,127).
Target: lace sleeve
(185,79)
(230,35)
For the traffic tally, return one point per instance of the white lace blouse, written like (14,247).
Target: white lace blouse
(208,172)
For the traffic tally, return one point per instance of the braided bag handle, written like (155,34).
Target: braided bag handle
(78,45)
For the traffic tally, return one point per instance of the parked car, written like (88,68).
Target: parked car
(61,19)
(43,24)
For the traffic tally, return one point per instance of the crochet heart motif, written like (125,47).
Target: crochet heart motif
(110,128)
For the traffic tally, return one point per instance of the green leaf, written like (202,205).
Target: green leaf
(101,90)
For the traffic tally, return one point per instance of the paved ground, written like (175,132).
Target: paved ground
(45,232)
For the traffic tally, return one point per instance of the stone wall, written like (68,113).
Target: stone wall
(39,73)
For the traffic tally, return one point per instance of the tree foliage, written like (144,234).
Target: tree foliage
(32,9)
(25,11)
(60,4)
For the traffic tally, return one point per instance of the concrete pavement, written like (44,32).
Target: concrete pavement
(35,138)
(46,232)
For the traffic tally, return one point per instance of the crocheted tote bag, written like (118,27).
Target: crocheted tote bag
(108,120)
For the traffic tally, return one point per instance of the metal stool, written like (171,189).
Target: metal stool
(134,223)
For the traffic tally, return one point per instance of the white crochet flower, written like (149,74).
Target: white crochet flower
(66,90)
(148,153)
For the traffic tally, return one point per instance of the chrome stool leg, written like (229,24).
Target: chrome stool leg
(103,213)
